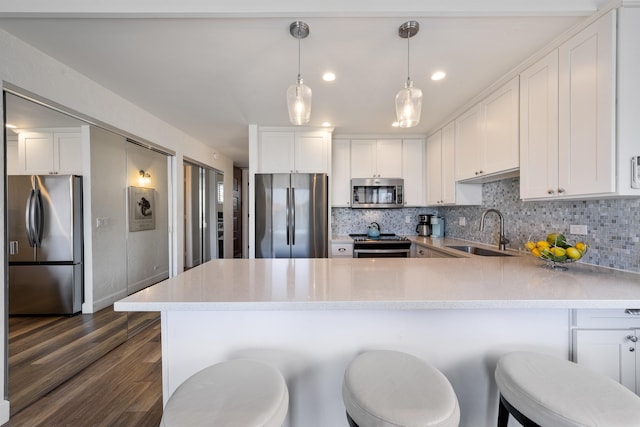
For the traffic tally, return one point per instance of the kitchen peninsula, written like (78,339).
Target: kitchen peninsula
(309,317)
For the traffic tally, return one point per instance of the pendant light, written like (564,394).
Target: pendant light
(409,99)
(299,94)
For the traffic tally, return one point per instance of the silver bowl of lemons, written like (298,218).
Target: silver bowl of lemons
(555,250)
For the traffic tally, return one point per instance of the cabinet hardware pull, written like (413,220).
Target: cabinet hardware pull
(632,338)
(634,311)
(631,349)
(560,190)
(342,249)
(550,192)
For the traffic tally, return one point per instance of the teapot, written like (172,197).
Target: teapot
(374,230)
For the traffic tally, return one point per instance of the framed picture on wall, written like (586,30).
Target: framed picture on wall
(142,209)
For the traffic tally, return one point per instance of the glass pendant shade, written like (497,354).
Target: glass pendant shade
(299,103)
(409,99)
(408,105)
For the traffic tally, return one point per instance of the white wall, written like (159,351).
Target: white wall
(148,250)
(28,70)
(107,281)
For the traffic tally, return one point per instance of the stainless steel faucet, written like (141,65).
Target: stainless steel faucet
(503,240)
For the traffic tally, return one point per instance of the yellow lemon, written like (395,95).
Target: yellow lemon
(530,245)
(558,252)
(543,244)
(574,253)
(536,252)
(581,246)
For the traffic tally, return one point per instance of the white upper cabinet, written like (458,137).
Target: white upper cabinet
(539,128)
(341,173)
(376,158)
(567,111)
(468,149)
(50,152)
(413,171)
(487,136)
(586,81)
(435,167)
(294,152)
(442,188)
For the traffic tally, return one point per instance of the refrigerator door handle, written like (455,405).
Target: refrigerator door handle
(28,215)
(39,217)
(36,218)
(288,213)
(293,216)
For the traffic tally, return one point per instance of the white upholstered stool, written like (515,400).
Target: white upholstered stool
(540,390)
(384,388)
(236,393)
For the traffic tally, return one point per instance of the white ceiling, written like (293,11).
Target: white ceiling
(212,69)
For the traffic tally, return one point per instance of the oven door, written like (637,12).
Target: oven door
(380,253)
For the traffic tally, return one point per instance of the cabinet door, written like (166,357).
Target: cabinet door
(311,152)
(36,152)
(587,110)
(468,144)
(276,152)
(609,352)
(434,168)
(448,164)
(341,173)
(68,152)
(500,129)
(413,171)
(363,158)
(539,129)
(389,158)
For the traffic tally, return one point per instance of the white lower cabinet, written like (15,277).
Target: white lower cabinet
(606,341)
(611,353)
(425,252)
(341,249)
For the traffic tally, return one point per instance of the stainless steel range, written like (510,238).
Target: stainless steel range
(385,246)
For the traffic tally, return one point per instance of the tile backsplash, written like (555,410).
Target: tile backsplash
(613,225)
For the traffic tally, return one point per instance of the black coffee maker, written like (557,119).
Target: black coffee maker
(424,226)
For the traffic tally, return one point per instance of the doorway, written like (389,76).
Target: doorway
(203,214)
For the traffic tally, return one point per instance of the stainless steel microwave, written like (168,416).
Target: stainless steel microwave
(377,193)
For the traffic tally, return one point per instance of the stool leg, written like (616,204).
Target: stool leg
(503,414)
(351,422)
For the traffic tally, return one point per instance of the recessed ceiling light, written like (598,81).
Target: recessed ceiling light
(328,76)
(326,124)
(395,124)
(438,75)
(10,126)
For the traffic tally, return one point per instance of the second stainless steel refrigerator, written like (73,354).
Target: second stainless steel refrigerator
(291,215)
(45,244)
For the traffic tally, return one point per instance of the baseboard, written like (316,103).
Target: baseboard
(4,411)
(103,302)
(140,285)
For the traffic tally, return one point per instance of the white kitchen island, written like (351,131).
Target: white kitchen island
(309,317)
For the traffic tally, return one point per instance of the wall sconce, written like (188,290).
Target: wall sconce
(144,178)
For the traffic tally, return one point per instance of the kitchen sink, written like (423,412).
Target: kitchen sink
(479,251)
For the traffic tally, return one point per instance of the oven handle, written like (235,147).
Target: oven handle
(379,251)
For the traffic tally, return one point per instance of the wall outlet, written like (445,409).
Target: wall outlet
(407,219)
(101,222)
(462,221)
(578,229)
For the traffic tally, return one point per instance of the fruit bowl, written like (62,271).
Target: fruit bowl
(556,251)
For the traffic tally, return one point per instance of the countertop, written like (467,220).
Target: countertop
(466,282)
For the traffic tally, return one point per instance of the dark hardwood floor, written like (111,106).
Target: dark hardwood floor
(120,388)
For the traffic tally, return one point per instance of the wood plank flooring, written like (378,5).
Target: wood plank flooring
(121,388)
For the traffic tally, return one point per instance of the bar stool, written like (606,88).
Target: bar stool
(540,390)
(236,393)
(385,388)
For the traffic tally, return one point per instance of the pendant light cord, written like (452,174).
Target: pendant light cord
(408,58)
(299,53)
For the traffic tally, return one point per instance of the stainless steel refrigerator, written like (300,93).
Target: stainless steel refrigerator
(45,244)
(291,215)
